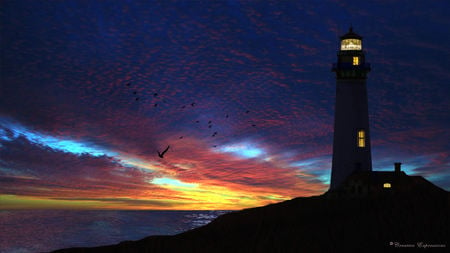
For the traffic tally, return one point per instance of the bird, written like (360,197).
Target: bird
(156,105)
(214,134)
(197,121)
(209,126)
(253,125)
(247,111)
(137,99)
(161,155)
(155,95)
(183,107)
(226,116)
(209,122)
(192,104)
(181,137)
(128,84)
(134,92)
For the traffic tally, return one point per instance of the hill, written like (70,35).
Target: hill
(330,222)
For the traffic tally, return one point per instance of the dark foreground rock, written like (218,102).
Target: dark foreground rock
(382,223)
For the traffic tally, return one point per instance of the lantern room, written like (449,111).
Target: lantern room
(351,60)
(351,41)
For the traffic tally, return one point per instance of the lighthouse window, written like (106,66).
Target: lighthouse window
(361,139)
(351,44)
(386,185)
(355,60)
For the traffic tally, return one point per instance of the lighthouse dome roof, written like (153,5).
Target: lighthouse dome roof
(351,35)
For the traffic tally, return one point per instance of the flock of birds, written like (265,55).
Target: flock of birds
(214,134)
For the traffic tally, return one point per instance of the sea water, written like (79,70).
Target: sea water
(47,230)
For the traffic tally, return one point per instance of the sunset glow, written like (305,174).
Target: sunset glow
(240,93)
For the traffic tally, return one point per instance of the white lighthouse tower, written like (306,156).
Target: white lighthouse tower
(351,142)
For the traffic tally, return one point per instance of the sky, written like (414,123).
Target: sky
(242,91)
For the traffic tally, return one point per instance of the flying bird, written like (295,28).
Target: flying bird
(156,105)
(181,137)
(155,95)
(128,84)
(161,155)
(137,99)
(192,104)
(226,116)
(247,111)
(134,92)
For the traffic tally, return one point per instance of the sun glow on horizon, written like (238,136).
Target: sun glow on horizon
(128,181)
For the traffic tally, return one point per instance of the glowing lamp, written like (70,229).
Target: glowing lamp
(351,44)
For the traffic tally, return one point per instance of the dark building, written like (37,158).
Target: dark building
(376,184)
(351,142)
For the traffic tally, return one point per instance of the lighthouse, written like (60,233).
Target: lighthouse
(351,140)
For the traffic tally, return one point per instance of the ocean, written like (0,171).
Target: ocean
(46,230)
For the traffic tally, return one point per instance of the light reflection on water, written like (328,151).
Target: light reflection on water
(46,230)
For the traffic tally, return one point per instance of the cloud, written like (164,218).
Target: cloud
(129,202)
(71,127)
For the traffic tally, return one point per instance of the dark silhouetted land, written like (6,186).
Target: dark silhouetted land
(386,222)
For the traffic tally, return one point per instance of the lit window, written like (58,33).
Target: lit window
(386,185)
(355,60)
(351,44)
(361,139)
